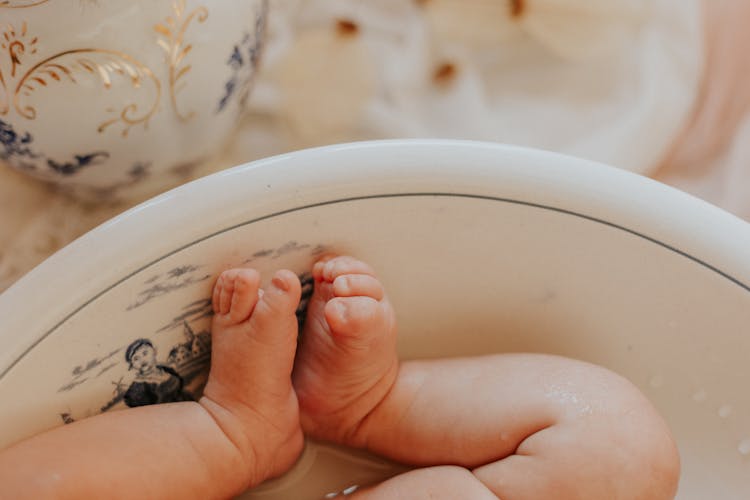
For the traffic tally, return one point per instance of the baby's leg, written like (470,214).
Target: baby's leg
(529,426)
(249,389)
(244,430)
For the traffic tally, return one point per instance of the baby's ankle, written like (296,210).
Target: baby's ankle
(350,425)
(266,448)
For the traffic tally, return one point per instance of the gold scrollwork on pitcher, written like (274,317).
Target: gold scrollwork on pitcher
(17,85)
(173,42)
(102,64)
(17,46)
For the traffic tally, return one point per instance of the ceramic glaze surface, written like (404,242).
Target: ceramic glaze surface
(111,98)
(483,248)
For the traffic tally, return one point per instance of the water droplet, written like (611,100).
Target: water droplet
(700,396)
(724,411)
(348,491)
(656,381)
(744,447)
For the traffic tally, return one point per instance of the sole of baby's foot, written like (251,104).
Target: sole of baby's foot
(346,362)
(249,390)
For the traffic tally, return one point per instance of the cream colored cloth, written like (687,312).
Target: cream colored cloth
(711,157)
(724,179)
(612,81)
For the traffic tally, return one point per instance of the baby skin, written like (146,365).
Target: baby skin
(507,426)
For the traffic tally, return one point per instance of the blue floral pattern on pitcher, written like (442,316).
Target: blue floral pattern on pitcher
(17,153)
(243,61)
(14,145)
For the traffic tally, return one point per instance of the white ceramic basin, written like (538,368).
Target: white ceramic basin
(482,247)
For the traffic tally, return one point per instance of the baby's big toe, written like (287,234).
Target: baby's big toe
(278,304)
(355,318)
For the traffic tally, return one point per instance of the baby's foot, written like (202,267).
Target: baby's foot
(346,362)
(249,389)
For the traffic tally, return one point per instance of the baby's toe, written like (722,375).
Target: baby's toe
(330,268)
(352,285)
(223,290)
(235,295)
(354,317)
(278,304)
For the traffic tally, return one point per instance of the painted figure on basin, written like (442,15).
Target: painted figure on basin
(154,383)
